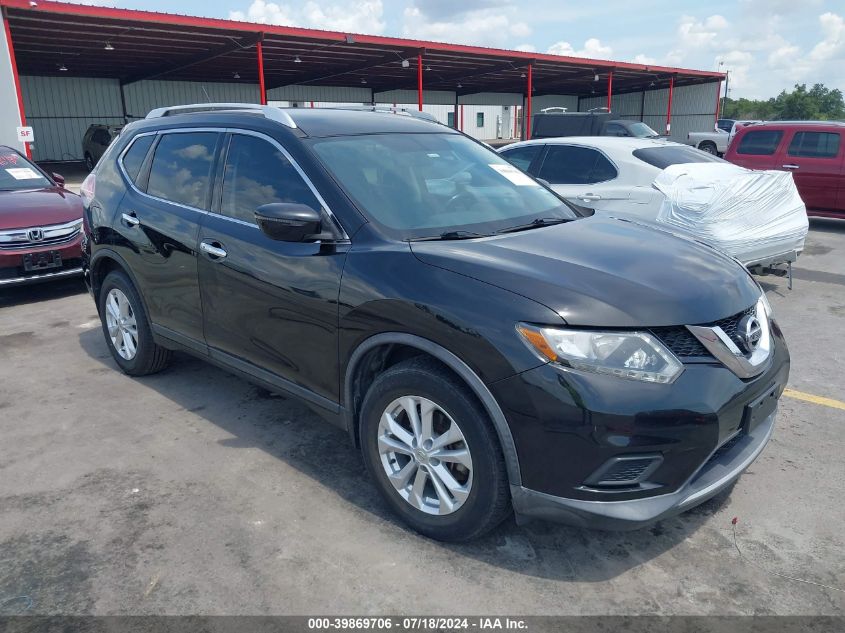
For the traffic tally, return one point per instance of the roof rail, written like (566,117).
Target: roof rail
(417,114)
(269,112)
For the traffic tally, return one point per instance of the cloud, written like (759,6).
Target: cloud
(833,42)
(593,48)
(358,16)
(526,48)
(482,22)
(698,33)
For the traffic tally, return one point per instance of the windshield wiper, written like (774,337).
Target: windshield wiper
(450,235)
(536,223)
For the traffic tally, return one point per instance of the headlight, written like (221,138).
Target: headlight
(632,355)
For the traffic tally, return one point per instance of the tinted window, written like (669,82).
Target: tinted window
(815,144)
(420,185)
(258,173)
(102,137)
(450,119)
(662,157)
(614,129)
(181,170)
(134,158)
(16,172)
(760,142)
(571,165)
(522,156)
(479,119)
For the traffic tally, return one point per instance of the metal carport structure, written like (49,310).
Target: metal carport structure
(66,59)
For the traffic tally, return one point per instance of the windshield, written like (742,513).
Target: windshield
(424,185)
(662,157)
(641,130)
(16,172)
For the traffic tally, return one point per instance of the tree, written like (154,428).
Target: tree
(818,103)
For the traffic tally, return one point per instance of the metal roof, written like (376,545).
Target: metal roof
(148,45)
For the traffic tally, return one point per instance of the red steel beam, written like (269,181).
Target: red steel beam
(15,77)
(419,82)
(669,105)
(528,102)
(261,87)
(609,89)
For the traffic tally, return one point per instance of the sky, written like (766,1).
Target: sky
(767,45)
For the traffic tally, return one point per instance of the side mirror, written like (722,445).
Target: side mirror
(58,179)
(289,222)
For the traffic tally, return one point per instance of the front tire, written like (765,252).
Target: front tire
(89,162)
(127,331)
(433,452)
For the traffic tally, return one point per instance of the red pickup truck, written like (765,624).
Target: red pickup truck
(813,151)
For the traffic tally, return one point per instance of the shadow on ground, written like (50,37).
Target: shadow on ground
(322,452)
(45,291)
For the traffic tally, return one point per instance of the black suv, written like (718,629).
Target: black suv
(486,345)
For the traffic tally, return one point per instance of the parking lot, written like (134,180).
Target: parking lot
(192,491)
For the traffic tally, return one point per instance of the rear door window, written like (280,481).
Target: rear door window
(134,157)
(573,165)
(182,168)
(760,142)
(257,173)
(815,144)
(522,157)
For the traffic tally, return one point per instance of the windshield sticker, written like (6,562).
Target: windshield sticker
(23,173)
(514,175)
(8,159)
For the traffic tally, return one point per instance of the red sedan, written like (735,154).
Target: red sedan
(40,223)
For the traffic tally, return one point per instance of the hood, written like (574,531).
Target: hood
(38,207)
(604,272)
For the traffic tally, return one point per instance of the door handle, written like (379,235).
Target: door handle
(130,220)
(589,197)
(790,166)
(214,250)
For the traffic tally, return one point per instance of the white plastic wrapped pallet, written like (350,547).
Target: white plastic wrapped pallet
(752,215)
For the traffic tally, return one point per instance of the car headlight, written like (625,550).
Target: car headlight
(631,355)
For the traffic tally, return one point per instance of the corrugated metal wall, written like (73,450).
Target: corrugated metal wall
(60,109)
(570,102)
(323,94)
(693,108)
(143,96)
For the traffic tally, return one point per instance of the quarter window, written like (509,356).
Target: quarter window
(760,142)
(522,156)
(572,165)
(257,173)
(815,144)
(182,167)
(134,158)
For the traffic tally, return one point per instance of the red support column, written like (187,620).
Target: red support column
(419,82)
(528,102)
(15,77)
(669,105)
(718,97)
(609,89)
(261,87)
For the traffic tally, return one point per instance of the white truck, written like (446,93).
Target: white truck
(715,142)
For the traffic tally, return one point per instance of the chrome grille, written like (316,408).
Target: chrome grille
(683,344)
(54,234)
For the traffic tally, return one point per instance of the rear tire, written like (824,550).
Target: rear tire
(446,479)
(127,331)
(708,147)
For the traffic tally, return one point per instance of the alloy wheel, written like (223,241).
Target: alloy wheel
(121,323)
(425,455)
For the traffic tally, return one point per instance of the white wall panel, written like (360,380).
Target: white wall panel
(491,98)
(9,113)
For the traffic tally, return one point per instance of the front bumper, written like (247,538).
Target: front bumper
(720,471)
(12,272)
